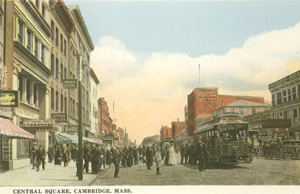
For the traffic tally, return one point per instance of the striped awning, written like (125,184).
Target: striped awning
(10,129)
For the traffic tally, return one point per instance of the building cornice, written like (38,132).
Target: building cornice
(79,18)
(38,16)
(290,77)
(63,13)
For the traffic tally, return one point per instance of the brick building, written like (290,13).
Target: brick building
(177,127)
(204,101)
(165,132)
(103,117)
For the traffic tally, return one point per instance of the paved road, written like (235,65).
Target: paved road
(259,172)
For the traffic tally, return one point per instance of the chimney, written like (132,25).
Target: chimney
(177,119)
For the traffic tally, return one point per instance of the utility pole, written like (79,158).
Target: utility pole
(199,75)
(80,162)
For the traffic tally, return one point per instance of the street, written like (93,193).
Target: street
(259,172)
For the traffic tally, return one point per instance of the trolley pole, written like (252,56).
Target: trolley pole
(80,158)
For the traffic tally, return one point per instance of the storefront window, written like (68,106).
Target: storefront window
(294,93)
(279,98)
(22,148)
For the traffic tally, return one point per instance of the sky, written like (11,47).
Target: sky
(147,54)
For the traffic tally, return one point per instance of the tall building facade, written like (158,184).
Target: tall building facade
(103,118)
(204,101)
(177,127)
(94,103)
(81,47)
(286,101)
(165,132)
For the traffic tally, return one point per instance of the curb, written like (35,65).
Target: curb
(98,175)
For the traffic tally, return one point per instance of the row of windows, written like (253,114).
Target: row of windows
(41,7)
(56,70)
(285,96)
(59,42)
(32,42)
(28,91)
(57,100)
(285,115)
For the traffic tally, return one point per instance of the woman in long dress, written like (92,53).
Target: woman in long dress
(172,160)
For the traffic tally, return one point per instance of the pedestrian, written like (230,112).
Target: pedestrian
(86,157)
(130,157)
(135,155)
(182,153)
(149,157)
(186,156)
(108,156)
(206,157)
(33,154)
(200,156)
(57,159)
(116,161)
(50,153)
(95,159)
(172,159)
(158,160)
(40,157)
(167,155)
(66,155)
(103,157)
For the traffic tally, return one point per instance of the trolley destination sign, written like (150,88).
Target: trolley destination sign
(9,98)
(70,83)
(59,117)
(71,128)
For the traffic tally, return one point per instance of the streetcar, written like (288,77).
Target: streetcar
(226,139)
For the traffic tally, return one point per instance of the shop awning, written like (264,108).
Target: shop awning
(61,139)
(10,129)
(74,139)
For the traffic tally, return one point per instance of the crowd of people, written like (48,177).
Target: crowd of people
(102,155)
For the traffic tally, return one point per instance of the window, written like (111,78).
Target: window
(52,99)
(56,75)
(289,95)
(284,96)
(294,93)
(52,29)
(232,109)
(23,148)
(298,91)
(21,29)
(43,10)
(61,72)
(57,100)
(241,111)
(61,103)
(21,88)
(56,37)
(52,63)
(61,43)
(37,4)
(295,115)
(65,104)
(285,115)
(35,95)
(279,98)
(29,40)
(65,73)
(28,92)
(43,54)
(253,110)
(273,100)
(65,47)
(36,48)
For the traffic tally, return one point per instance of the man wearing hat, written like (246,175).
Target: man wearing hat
(33,154)
(116,161)
(40,157)
(149,157)
(200,156)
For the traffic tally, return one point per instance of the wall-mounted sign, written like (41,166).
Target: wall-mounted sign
(71,128)
(59,117)
(9,98)
(70,83)
(208,95)
(276,123)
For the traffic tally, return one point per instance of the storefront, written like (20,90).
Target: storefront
(15,145)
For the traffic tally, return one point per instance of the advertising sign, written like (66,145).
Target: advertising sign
(9,98)
(71,128)
(59,117)
(70,83)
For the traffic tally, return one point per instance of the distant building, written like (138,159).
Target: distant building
(151,140)
(202,102)
(177,127)
(165,133)
(286,101)
(103,117)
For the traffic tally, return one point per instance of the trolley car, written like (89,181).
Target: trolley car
(226,139)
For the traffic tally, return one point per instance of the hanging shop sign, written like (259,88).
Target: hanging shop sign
(70,83)
(59,117)
(9,98)
(71,128)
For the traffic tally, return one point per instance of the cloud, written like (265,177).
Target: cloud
(150,90)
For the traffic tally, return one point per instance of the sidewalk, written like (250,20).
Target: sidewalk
(53,175)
